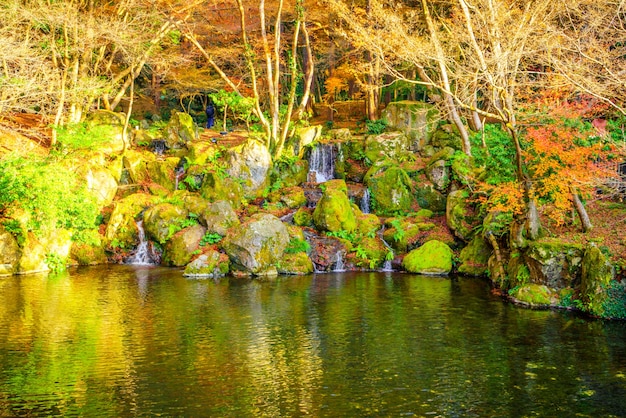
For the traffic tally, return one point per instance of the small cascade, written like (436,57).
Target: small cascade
(365,201)
(387,265)
(322,163)
(339,264)
(142,255)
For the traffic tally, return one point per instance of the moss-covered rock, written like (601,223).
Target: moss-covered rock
(121,231)
(553,262)
(392,145)
(446,136)
(429,198)
(161,221)
(303,217)
(404,235)
(108,128)
(180,130)
(333,211)
(219,217)
(9,253)
(217,187)
(257,245)
(474,257)
(390,190)
(416,119)
(87,254)
(293,197)
(369,252)
(211,263)
(202,152)
(434,257)
(597,273)
(136,165)
(298,264)
(460,214)
(33,256)
(180,249)
(367,223)
(162,172)
(250,163)
(534,295)
(289,173)
(438,170)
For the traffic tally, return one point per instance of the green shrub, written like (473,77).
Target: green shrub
(210,238)
(297,245)
(50,193)
(375,127)
(499,156)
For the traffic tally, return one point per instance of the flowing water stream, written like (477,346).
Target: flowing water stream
(144,341)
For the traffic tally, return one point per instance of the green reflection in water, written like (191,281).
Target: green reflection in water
(123,341)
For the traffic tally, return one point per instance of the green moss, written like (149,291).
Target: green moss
(533,294)
(333,211)
(597,273)
(303,217)
(391,190)
(474,257)
(434,257)
(296,263)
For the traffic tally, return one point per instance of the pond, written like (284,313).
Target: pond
(145,341)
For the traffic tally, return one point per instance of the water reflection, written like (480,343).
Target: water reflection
(128,341)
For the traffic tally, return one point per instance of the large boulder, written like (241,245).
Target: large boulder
(416,119)
(438,169)
(216,187)
(257,245)
(306,136)
(434,257)
(33,256)
(219,217)
(333,211)
(597,273)
(180,130)
(108,128)
(460,214)
(298,263)
(102,185)
(250,163)
(393,145)
(180,249)
(211,263)
(474,258)
(390,189)
(136,165)
(554,263)
(9,253)
(163,172)
(159,220)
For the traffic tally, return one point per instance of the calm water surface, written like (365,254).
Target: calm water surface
(123,341)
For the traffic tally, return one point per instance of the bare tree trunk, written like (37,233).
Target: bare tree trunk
(448,99)
(582,212)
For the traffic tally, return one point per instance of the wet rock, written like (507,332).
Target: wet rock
(434,257)
(257,245)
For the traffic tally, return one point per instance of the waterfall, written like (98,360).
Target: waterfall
(365,201)
(339,264)
(387,265)
(142,254)
(322,163)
